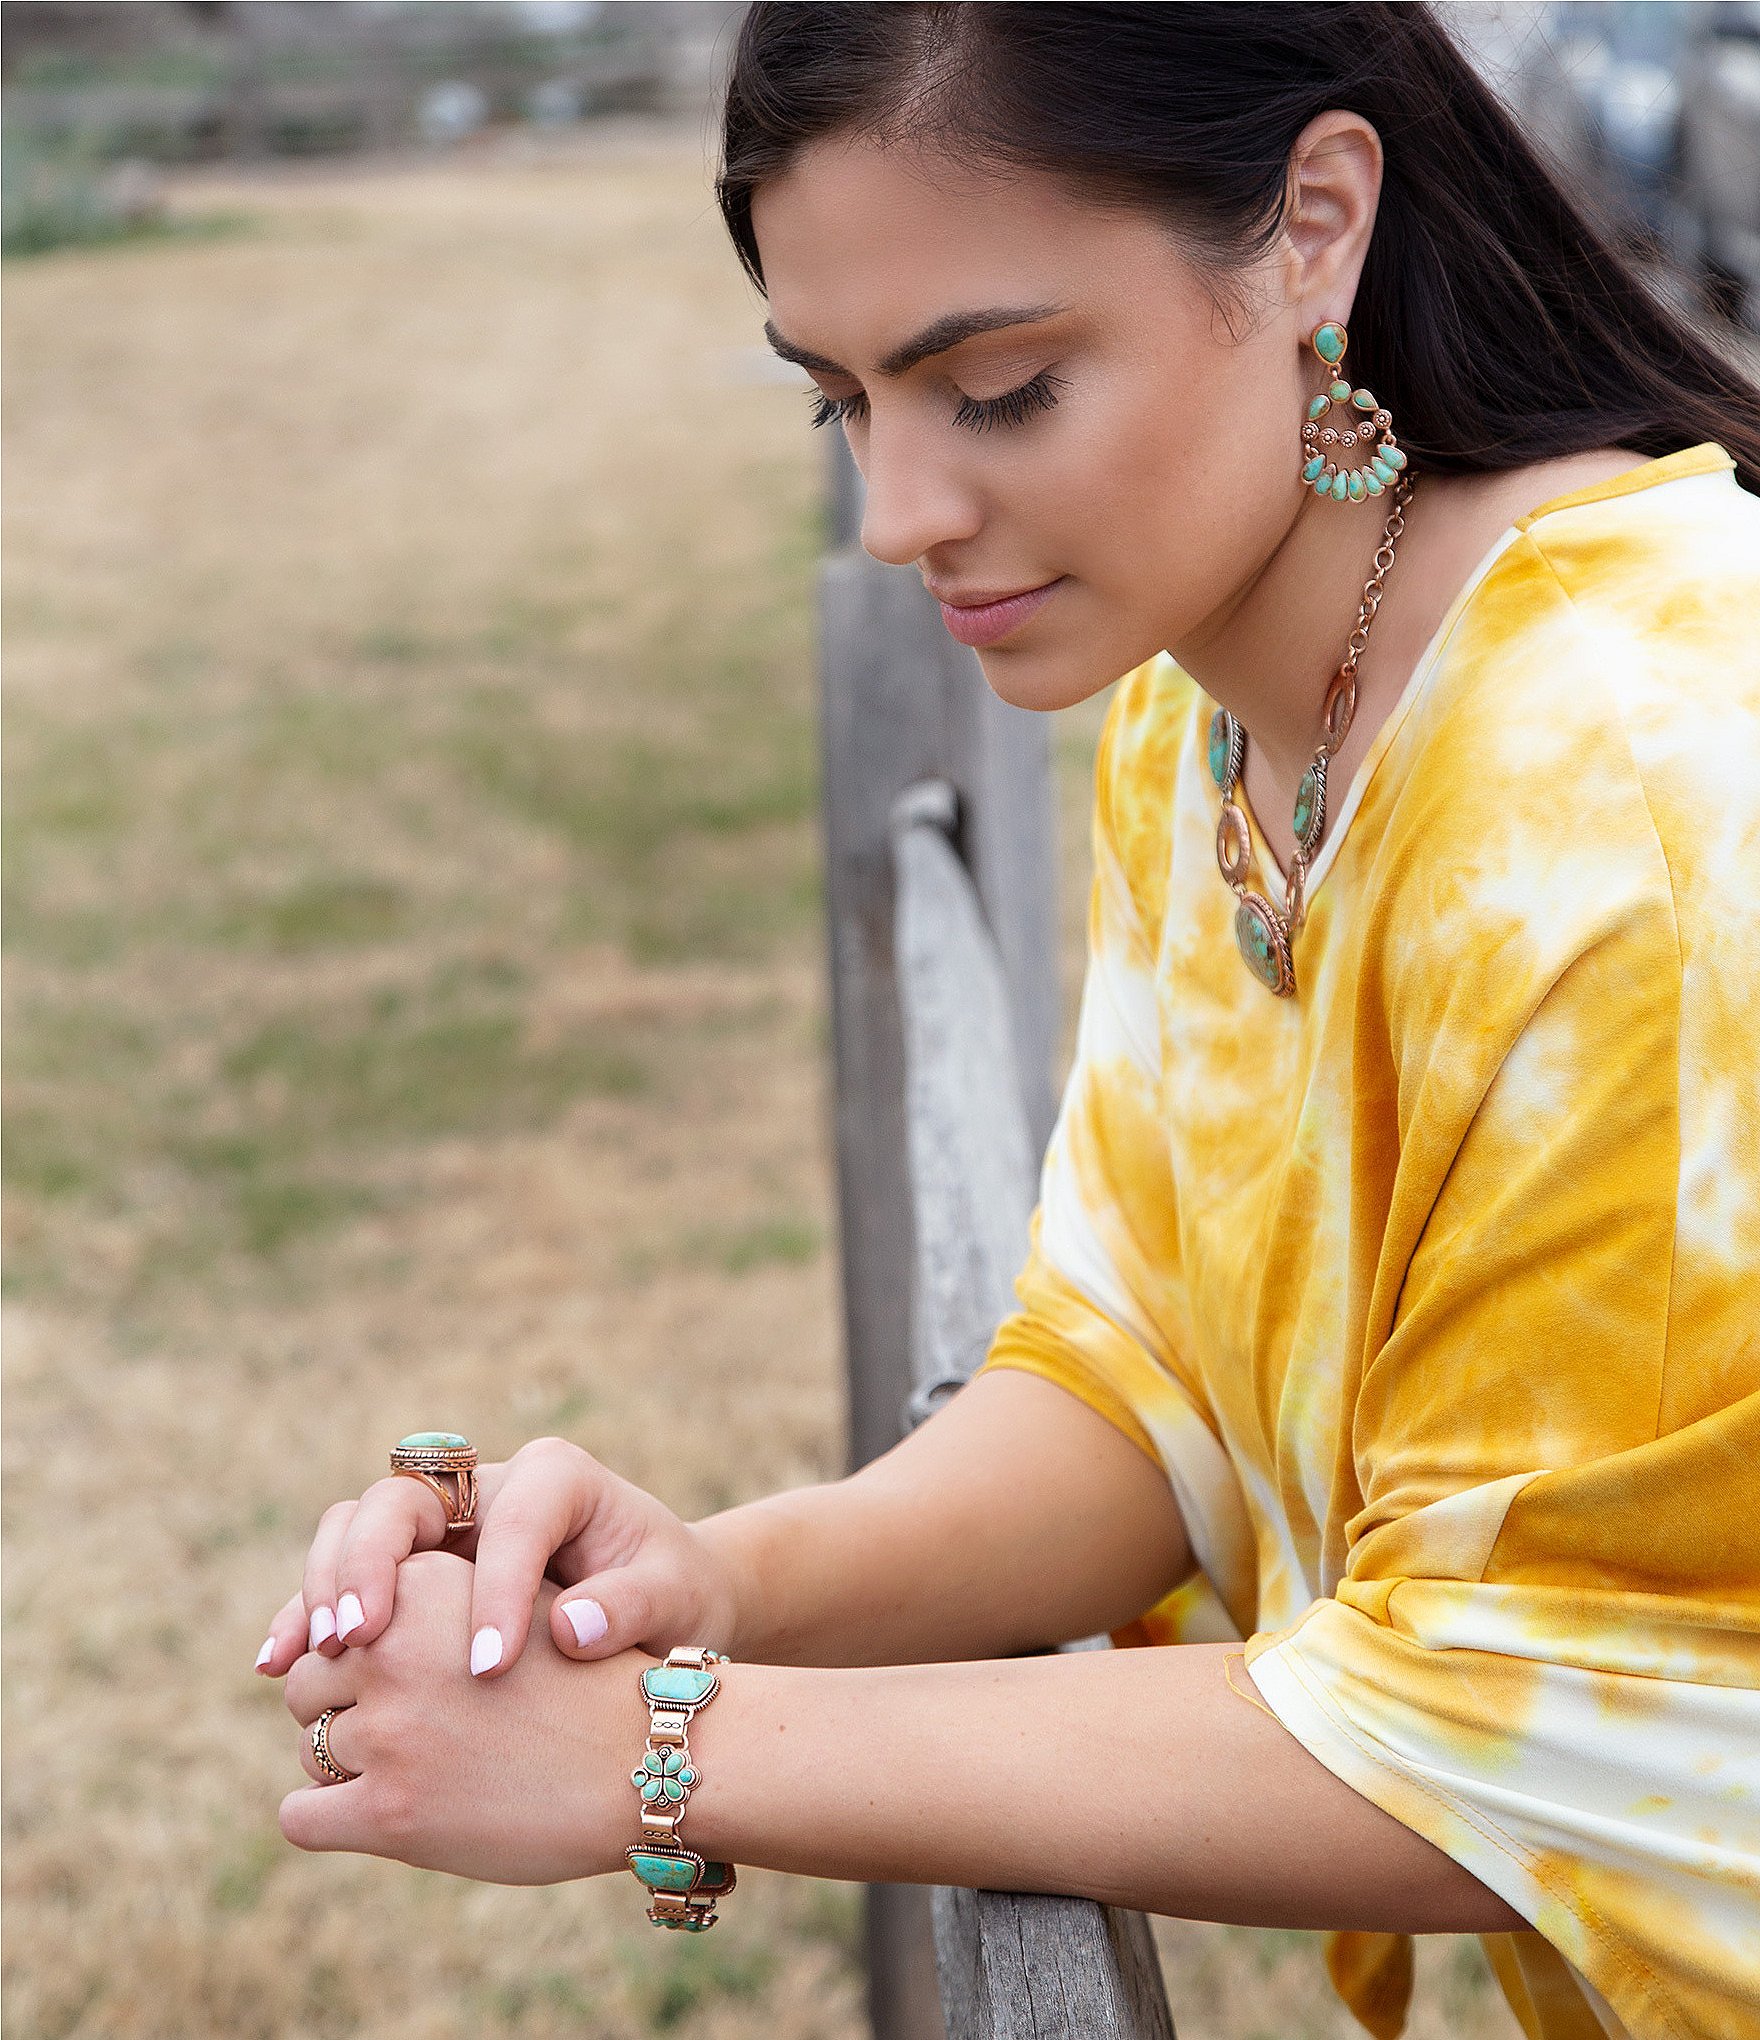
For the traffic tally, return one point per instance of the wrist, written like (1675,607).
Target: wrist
(733,1543)
(683,1881)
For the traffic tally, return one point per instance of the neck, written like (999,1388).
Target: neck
(1270,655)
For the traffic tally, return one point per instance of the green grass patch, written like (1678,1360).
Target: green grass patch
(64,195)
(238,1883)
(289,1133)
(78,785)
(400,1071)
(329,737)
(325,911)
(627,798)
(396,646)
(831,1911)
(738,919)
(675,1982)
(729,1249)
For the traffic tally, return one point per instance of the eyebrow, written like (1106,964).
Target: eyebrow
(935,338)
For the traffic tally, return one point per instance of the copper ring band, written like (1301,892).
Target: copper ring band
(436,1456)
(460,1504)
(322,1752)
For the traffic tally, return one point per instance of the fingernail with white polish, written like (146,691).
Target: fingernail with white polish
(323,1627)
(586,1619)
(349,1614)
(266,1653)
(485,1650)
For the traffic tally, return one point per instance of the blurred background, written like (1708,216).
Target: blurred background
(415,981)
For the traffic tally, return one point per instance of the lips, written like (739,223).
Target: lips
(976,598)
(987,622)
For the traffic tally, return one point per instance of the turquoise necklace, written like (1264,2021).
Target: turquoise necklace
(1265,934)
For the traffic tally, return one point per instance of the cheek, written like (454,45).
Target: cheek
(1186,501)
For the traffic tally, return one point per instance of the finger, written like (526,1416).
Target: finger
(332,1816)
(609,1612)
(317,1682)
(545,1498)
(394,1517)
(287,1638)
(319,1587)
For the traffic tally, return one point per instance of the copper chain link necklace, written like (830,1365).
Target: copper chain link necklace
(1264,932)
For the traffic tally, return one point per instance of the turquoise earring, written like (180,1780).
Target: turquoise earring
(1365,422)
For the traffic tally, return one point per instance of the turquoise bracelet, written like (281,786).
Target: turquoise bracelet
(682,1886)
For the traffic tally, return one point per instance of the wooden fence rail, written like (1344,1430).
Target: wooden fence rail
(941,910)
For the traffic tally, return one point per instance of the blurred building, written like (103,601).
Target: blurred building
(180,80)
(1652,106)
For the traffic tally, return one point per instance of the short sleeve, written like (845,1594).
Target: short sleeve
(1101,1300)
(1544,1651)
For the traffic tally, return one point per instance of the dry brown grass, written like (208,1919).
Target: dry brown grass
(416,1016)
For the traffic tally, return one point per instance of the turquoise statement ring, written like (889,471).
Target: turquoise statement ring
(437,1457)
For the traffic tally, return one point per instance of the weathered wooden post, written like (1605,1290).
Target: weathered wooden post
(941,871)
(903,702)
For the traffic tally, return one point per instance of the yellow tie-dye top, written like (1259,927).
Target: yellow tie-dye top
(1435,1288)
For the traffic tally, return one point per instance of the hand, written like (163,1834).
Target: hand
(553,1512)
(528,1784)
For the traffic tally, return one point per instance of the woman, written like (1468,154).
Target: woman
(1387,1346)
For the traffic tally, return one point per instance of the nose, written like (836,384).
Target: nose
(913,498)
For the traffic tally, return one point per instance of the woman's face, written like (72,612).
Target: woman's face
(1145,468)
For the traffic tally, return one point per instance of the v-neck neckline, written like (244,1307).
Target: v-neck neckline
(1705,458)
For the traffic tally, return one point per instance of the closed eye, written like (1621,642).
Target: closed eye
(1013,407)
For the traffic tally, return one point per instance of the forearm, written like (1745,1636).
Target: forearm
(1015,1517)
(1135,1777)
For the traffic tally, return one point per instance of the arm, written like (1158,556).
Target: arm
(1015,1517)
(1135,1777)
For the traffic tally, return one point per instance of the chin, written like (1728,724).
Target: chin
(1040,683)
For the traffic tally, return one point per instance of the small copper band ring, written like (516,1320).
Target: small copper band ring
(460,1504)
(1234,846)
(321,1751)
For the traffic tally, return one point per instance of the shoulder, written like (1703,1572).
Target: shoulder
(1585,765)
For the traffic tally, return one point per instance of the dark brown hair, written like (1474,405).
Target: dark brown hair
(1495,318)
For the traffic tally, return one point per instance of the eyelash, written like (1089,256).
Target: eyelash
(1013,407)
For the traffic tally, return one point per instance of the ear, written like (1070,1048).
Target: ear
(1334,188)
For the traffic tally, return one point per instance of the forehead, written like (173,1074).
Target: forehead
(862,243)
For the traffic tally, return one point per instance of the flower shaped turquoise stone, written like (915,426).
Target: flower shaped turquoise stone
(663,1775)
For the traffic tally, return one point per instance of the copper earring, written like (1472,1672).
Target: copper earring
(1321,444)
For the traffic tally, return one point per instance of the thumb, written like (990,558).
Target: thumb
(607,1612)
